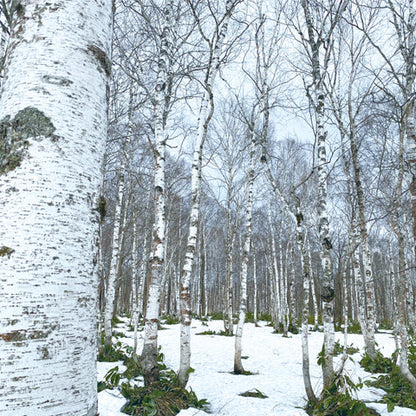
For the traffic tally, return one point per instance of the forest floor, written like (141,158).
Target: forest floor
(276,364)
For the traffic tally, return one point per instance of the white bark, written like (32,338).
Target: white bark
(149,352)
(228,314)
(292,312)
(134,284)
(277,276)
(205,114)
(114,263)
(255,290)
(55,85)
(306,271)
(238,366)
(318,67)
(313,292)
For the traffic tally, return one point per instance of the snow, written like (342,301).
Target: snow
(275,361)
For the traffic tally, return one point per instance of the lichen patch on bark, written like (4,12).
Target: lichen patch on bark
(15,133)
(6,251)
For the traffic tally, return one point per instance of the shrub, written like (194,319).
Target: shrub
(339,349)
(171,320)
(397,388)
(265,317)
(217,316)
(208,332)
(249,317)
(385,325)
(115,321)
(380,364)
(112,353)
(354,327)
(164,398)
(337,400)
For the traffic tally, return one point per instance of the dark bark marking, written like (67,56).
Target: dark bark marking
(102,58)
(51,79)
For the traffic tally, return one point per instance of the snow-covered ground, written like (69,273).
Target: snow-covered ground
(276,362)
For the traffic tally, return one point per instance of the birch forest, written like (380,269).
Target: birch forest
(207,207)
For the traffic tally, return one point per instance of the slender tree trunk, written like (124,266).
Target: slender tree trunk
(238,366)
(134,283)
(255,290)
(114,263)
(292,294)
(313,292)
(157,255)
(306,271)
(318,68)
(202,298)
(53,122)
(205,115)
(368,321)
(229,327)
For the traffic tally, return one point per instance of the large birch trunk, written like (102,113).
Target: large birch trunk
(53,123)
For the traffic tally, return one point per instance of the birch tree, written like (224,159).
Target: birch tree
(53,124)
(149,352)
(398,83)
(319,25)
(215,44)
(349,105)
(115,256)
(238,366)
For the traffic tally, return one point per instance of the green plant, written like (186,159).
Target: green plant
(397,388)
(339,349)
(293,329)
(254,393)
(249,318)
(115,321)
(337,400)
(171,320)
(101,385)
(210,332)
(354,327)
(112,377)
(217,316)
(164,398)
(207,332)
(265,317)
(134,368)
(244,373)
(311,320)
(380,364)
(385,325)
(112,353)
